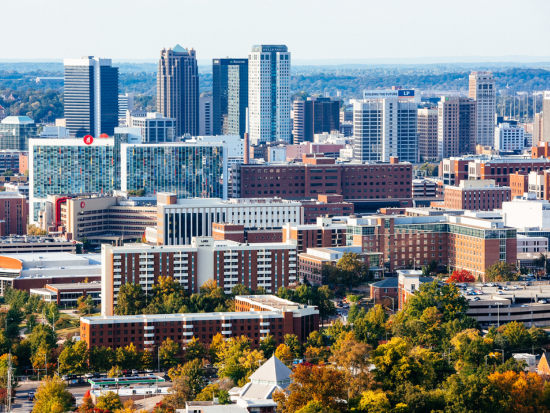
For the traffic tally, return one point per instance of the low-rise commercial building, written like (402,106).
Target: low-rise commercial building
(267,265)
(532,244)
(255,317)
(67,294)
(24,271)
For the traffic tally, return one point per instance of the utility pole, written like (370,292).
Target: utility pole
(8,393)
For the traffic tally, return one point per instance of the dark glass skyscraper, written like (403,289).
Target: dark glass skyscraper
(91,96)
(178,89)
(230,93)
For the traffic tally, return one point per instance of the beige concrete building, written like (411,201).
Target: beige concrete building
(483,91)
(108,218)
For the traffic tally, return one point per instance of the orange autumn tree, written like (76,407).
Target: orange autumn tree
(521,392)
(461,276)
(322,384)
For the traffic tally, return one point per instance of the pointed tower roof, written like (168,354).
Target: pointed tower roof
(543,367)
(178,49)
(274,371)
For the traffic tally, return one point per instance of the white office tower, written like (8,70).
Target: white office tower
(509,137)
(482,90)
(269,93)
(384,128)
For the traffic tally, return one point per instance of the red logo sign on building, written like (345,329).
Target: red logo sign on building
(103,135)
(88,139)
(82,204)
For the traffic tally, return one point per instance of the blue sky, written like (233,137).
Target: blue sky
(320,29)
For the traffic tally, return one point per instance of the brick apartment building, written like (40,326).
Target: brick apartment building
(238,233)
(14,211)
(326,204)
(476,195)
(319,175)
(254,317)
(542,150)
(500,169)
(269,264)
(324,233)
(387,288)
(479,167)
(462,242)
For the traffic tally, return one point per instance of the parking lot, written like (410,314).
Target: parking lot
(520,293)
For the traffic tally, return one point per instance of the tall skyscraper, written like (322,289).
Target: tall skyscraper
(178,88)
(483,91)
(384,128)
(456,129)
(269,93)
(91,96)
(314,115)
(427,133)
(230,93)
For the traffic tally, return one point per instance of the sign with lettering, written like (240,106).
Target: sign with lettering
(88,139)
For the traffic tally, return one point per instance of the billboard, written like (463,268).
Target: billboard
(382,94)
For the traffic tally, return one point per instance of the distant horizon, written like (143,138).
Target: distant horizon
(506,59)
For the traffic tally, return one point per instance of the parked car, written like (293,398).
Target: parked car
(476,298)
(500,292)
(480,285)
(89,375)
(148,371)
(524,305)
(542,301)
(506,288)
(31,396)
(134,371)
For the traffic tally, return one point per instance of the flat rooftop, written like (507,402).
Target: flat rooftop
(28,239)
(76,286)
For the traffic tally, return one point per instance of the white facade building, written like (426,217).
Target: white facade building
(269,93)
(384,128)
(189,218)
(509,137)
(155,128)
(526,212)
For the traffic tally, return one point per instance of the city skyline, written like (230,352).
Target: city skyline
(367,20)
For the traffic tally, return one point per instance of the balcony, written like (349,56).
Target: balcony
(149,335)
(264,331)
(149,342)
(149,327)
(188,326)
(187,333)
(227,332)
(227,325)
(265,323)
